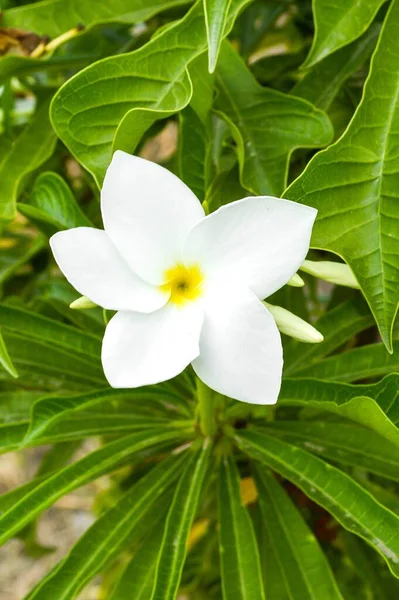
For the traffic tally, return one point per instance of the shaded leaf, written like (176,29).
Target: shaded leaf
(51,202)
(305,570)
(322,83)
(31,149)
(239,556)
(337,325)
(267,125)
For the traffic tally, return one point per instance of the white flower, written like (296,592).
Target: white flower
(187,287)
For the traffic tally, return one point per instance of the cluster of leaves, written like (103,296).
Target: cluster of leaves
(297,501)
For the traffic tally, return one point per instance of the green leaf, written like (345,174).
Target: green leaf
(354,186)
(322,83)
(339,24)
(267,125)
(102,412)
(239,556)
(20,251)
(14,65)
(369,567)
(216,12)
(360,363)
(5,360)
(193,152)
(31,149)
(45,366)
(305,570)
(83,471)
(372,405)
(178,524)
(11,435)
(349,503)
(32,325)
(337,325)
(225,188)
(16,405)
(55,17)
(109,534)
(342,442)
(142,86)
(137,578)
(52,202)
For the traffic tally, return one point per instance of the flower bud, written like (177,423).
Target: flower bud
(333,272)
(294,326)
(296,281)
(82,303)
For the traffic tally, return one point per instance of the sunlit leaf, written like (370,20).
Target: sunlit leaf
(333,489)
(354,183)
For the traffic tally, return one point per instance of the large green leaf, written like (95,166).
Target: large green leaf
(216,13)
(109,534)
(84,470)
(178,524)
(338,24)
(55,17)
(339,494)
(141,86)
(360,363)
(267,125)
(337,326)
(354,183)
(342,442)
(305,570)
(102,412)
(48,366)
(31,149)
(239,556)
(32,325)
(51,202)
(374,406)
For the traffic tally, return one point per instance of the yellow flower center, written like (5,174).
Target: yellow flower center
(184,283)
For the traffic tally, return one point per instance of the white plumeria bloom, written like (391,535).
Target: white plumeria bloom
(187,287)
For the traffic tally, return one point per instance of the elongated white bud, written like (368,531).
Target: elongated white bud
(296,281)
(294,326)
(82,303)
(333,272)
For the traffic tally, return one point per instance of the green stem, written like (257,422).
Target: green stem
(206,409)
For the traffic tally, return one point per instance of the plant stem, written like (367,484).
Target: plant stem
(206,408)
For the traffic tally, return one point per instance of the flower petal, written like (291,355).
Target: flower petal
(240,348)
(94,267)
(141,349)
(257,242)
(147,212)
